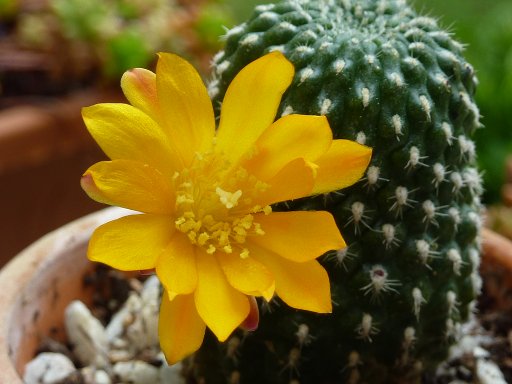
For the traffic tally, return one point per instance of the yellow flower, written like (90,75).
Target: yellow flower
(207,225)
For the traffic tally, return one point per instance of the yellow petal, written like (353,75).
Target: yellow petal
(176,266)
(129,184)
(290,137)
(342,165)
(185,105)
(131,243)
(125,132)
(293,181)
(300,285)
(251,103)
(298,236)
(220,306)
(139,87)
(180,329)
(247,275)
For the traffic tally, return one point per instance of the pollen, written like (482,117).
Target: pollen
(215,205)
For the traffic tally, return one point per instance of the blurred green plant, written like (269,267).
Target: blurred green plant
(486,28)
(8,9)
(115,35)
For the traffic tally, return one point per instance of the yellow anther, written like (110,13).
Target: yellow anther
(239,239)
(189,215)
(203,238)
(261,186)
(192,236)
(246,221)
(244,254)
(228,199)
(223,238)
(184,199)
(240,231)
(258,230)
(187,225)
(227,249)
(211,249)
(267,210)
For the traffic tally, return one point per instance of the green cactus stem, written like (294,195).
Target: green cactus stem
(394,81)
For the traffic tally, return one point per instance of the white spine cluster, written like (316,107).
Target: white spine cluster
(365,97)
(456,260)
(373,177)
(366,329)
(426,106)
(361,138)
(303,335)
(457,182)
(454,214)
(451,302)
(389,233)
(338,66)
(397,79)
(379,283)
(401,200)
(325,106)
(439,174)
(358,217)
(424,252)
(306,74)
(415,159)
(288,110)
(396,121)
(448,132)
(418,300)
(249,39)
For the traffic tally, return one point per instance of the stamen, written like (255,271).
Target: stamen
(229,199)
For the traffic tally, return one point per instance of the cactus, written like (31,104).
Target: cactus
(395,81)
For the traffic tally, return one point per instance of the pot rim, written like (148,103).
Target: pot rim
(17,277)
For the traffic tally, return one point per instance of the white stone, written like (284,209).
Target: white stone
(91,375)
(171,374)
(86,334)
(489,373)
(137,372)
(102,377)
(150,296)
(48,368)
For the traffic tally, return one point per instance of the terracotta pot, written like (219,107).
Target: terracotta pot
(44,148)
(36,287)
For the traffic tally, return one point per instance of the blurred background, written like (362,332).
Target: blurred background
(59,55)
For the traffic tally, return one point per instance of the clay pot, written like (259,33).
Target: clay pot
(44,148)
(36,287)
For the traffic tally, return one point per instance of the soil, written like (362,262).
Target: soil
(492,325)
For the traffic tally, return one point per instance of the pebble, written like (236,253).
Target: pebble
(87,335)
(92,375)
(137,320)
(48,368)
(136,372)
(171,374)
(488,373)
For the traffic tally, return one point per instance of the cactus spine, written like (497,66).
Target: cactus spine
(393,80)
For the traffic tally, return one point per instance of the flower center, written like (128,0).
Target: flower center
(216,204)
